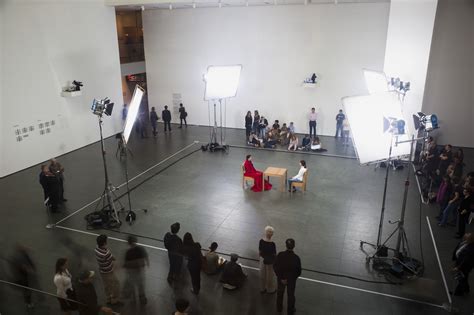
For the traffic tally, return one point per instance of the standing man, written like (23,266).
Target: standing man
(182,116)
(58,170)
(174,244)
(153,120)
(51,188)
(87,296)
(287,269)
(136,258)
(312,122)
(166,116)
(339,121)
(105,259)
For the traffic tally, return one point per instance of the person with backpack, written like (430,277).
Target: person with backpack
(182,116)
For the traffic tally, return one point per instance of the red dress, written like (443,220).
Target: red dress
(250,171)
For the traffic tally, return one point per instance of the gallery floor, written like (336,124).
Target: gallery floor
(176,181)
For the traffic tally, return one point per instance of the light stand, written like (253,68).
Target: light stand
(108,196)
(402,256)
(131,215)
(214,145)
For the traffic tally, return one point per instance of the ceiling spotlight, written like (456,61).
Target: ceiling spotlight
(171,7)
(335,2)
(305,2)
(143,8)
(194,5)
(220,4)
(246,3)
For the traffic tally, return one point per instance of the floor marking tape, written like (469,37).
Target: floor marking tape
(257,269)
(132,179)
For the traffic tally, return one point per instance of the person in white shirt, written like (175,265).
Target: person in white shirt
(312,122)
(298,177)
(291,127)
(63,283)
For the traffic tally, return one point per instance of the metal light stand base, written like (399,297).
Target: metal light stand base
(214,145)
(123,150)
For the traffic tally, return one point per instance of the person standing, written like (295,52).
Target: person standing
(192,250)
(23,272)
(51,188)
(105,260)
(153,121)
(87,296)
(463,257)
(174,244)
(312,122)
(136,258)
(248,125)
(287,269)
(63,282)
(339,123)
(267,253)
(166,116)
(465,208)
(58,170)
(256,122)
(182,116)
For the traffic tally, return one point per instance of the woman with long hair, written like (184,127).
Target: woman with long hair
(248,124)
(293,146)
(298,177)
(257,176)
(192,250)
(63,282)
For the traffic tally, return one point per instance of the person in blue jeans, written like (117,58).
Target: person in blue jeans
(339,120)
(452,206)
(298,177)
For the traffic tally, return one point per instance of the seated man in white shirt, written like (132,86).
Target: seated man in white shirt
(298,177)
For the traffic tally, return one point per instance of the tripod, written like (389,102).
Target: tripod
(131,216)
(108,196)
(122,148)
(214,145)
(402,249)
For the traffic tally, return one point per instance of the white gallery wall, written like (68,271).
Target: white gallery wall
(410,30)
(278,46)
(450,84)
(46,44)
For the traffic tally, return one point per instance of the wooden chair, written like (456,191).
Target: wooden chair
(245,179)
(300,184)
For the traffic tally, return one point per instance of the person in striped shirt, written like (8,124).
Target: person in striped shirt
(105,260)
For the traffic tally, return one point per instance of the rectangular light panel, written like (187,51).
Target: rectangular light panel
(133,111)
(221,82)
(366,119)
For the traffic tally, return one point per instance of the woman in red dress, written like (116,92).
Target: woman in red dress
(250,171)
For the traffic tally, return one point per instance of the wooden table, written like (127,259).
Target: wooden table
(276,172)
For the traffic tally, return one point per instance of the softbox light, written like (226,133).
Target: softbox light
(370,117)
(133,109)
(221,82)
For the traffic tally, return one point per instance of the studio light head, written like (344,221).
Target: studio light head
(103,106)
(77,85)
(393,125)
(425,122)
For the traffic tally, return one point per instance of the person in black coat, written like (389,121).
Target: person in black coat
(166,116)
(464,211)
(463,256)
(192,250)
(174,244)
(233,276)
(51,187)
(87,296)
(153,120)
(287,268)
(248,125)
(182,116)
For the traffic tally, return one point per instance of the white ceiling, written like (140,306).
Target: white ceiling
(131,5)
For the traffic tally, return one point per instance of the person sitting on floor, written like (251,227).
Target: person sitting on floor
(305,143)
(298,177)
(276,125)
(214,263)
(316,145)
(233,276)
(293,143)
(270,140)
(250,171)
(253,140)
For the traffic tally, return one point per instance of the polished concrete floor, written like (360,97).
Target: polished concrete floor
(203,191)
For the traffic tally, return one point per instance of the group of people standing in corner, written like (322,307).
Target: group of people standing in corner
(141,126)
(259,133)
(278,272)
(260,184)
